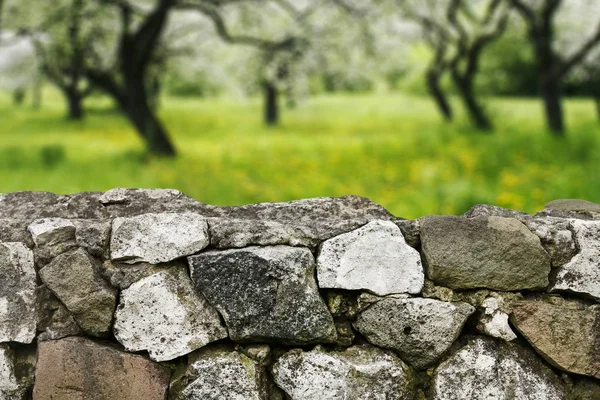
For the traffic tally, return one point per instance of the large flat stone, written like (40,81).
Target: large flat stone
(374,257)
(360,372)
(420,330)
(17,293)
(491,370)
(571,208)
(75,278)
(265,293)
(220,373)
(165,316)
(483,252)
(157,238)
(582,273)
(568,337)
(78,369)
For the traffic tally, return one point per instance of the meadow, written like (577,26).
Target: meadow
(391,148)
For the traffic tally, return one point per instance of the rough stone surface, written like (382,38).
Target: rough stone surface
(411,230)
(157,238)
(228,233)
(122,275)
(486,210)
(9,385)
(78,368)
(220,373)
(582,273)
(52,231)
(163,314)
(586,389)
(483,252)
(556,237)
(359,372)
(374,257)
(494,322)
(571,208)
(486,369)
(17,293)
(75,278)
(420,330)
(567,337)
(54,321)
(265,293)
(15,230)
(92,235)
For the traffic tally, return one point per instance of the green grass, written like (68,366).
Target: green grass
(391,148)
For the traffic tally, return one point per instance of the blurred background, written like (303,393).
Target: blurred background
(423,106)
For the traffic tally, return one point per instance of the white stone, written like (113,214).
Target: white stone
(582,273)
(157,238)
(493,322)
(163,314)
(490,370)
(9,387)
(121,195)
(374,257)
(17,293)
(359,372)
(51,231)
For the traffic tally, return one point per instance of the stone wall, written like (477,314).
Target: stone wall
(148,294)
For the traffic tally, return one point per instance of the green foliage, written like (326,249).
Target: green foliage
(393,149)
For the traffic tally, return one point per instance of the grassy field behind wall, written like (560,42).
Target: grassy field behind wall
(391,148)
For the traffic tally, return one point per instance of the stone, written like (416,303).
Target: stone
(374,257)
(586,389)
(78,368)
(54,321)
(568,338)
(359,372)
(411,230)
(157,238)
(122,195)
(52,236)
(17,293)
(122,275)
(93,235)
(265,294)
(485,210)
(220,373)
(556,238)
(581,274)
(571,208)
(15,230)
(226,233)
(483,252)
(9,385)
(494,322)
(165,316)
(419,330)
(75,278)
(487,369)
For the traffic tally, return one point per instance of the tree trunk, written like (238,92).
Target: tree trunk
(441,101)
(271,104)
(137,108)
(551,96)
(474,109)
(75,106)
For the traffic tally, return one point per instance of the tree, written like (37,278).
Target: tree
(552,66)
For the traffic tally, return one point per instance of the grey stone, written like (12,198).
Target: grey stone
(494,322)
(411,230)
(374,257)
(485,210)
(163,315)
(586,389)
(219,373)
(52,236)
(483,252)
(359,372)
(582,273)
(567,337)
(75,278)
(123,195)
(17,293)
(10,389)
(491,370)
(420,330)
(54,321)
(556,237)
(265,293)
(93,235)
(156,238)
(122,275)
(226,233)
(571,208)
(15,230)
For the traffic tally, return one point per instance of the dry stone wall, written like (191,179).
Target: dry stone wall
(148,294)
